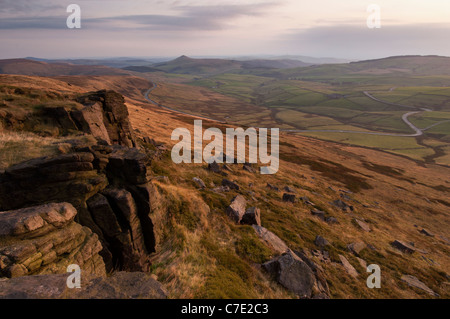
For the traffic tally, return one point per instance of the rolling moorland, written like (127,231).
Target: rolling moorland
(331,101)
(340,200)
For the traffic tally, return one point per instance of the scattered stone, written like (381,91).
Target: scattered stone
(404,247)
(162,179)
(322,255)
(272,187)
(289,189)
(426,232)
(247,167)
(236,210)
(199,182)
(252,216)
(221,189)
(348,267)
(272,240)
(362,262)
(230,184)
(357,247)
(416,283)
(289,198)
(342,205)
(318,213)
(227,167)
(346,197)
(321,242)
(332,220)
(363,225)
(306,201)
(214,167)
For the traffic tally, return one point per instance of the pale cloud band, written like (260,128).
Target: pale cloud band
(227,27)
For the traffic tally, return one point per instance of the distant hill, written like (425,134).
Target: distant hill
(142,69)
(274,64)
(397,65)
(187,65)
(32,67)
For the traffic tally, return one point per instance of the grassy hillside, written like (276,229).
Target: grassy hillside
(203,254)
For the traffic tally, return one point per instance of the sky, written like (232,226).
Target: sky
(156,28)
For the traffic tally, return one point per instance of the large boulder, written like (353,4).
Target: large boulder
(120,285)
(271,240)
(290,271)
(236,210)
(45,239)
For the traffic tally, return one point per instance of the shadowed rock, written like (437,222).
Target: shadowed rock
(252,216)
(321,242)
(404,247)
(289,198)
(230,184)
(296,275)
(121,285)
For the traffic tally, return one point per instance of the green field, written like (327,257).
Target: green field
(331,97)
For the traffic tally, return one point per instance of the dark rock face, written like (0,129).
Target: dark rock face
(45,239)
(66,178)
(106,117)
(108,187)
(121,285)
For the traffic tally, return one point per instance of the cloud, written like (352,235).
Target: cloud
(9,8)
(33,23)
(184,18)
(350,41)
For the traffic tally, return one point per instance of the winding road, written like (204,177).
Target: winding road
(405,118)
